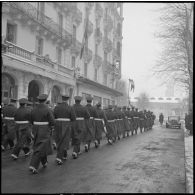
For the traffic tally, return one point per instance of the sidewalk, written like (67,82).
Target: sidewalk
(188,139)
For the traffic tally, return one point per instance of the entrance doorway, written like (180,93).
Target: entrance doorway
(33,91)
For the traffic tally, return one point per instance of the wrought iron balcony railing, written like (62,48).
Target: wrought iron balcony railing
(29,10)
(107,44)
(87,55)
(98,10)
(97,61)
(98,35)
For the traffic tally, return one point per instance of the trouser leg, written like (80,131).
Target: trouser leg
(35,160)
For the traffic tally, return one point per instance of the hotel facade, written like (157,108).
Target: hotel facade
(41,46)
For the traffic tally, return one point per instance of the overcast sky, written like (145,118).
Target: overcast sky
(140,48)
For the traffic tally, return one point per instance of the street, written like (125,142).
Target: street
(151,162)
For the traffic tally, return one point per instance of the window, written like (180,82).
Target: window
(85,69)
(83,101)
(105,79)
(60,20)
(11,33)
(96,74)
(106,102)
(39,46)
(74,33)
(73,61)
(59,55)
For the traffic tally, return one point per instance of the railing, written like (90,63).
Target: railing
(65,69)
(107,44)
(16,50)
(98,35)
(45,61)
(99,10)
(29,10)
(97,61)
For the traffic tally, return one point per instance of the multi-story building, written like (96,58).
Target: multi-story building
(41,50)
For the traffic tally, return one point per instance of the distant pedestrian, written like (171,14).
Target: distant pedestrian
(161,118)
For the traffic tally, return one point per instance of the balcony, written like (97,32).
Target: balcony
(87,55)
(98,35)
(108,23)
(107,45)
(97,61)
(28,11)
(66,7)
(98,11)
(33,60)
(77,17)
(90,27)
(75,47)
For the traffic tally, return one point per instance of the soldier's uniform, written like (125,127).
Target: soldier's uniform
(43,125)
(136,120)
(22,120)
(79,126)
(100,123)
(63,114)
(126,121)
(110,119)
(117,122)
(8,113)
(141,115)
(89,134)
(128,113)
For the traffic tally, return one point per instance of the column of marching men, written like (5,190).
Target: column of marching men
(43,129)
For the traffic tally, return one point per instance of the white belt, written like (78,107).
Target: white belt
(40,123)
(91,118)
(62,119)
(21,122)
(111,120)
(129,118)
(9,118)
(135,117)
(97,119)
(79,118)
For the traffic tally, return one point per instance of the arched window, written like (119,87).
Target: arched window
(33,91)
(9,90)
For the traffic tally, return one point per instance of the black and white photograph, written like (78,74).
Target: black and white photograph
(97,97)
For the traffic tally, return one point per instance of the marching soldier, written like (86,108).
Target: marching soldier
(100,123)
(90,125)
(79,126)
(43,125)
(22,120)
(117,122)
(63,114)
(130,120)
(136,120)
(141,115)
(8,119)
(126,121)
(110,119)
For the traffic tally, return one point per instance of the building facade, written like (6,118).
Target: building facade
(41,44)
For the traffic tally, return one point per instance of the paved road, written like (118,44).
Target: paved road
(152,162)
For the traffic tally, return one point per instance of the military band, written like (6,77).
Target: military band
(37,126)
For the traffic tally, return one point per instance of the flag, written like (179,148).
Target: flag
(132,84)
(85,35)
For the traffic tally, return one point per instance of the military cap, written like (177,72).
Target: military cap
(48,102)
(23,101)
(124,107)
(110,106)
(89,98)
(133,107)
(128,108)
(42,97)
(78,98)
(65,97)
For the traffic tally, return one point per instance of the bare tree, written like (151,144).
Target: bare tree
(143,101)
(176,34)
